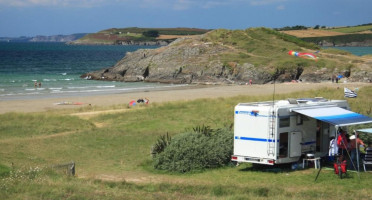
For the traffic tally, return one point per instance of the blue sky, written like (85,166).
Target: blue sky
(52,17)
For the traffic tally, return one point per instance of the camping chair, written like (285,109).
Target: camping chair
(367,160)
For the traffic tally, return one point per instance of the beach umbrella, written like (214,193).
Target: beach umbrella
(132,103)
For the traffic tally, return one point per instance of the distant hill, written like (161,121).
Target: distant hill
(360,35)
(41,38)
(235,56)
(138,36)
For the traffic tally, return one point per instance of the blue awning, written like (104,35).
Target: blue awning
(334,115)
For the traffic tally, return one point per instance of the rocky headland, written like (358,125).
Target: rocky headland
(235,56)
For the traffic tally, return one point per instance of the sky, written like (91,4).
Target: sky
(53,17)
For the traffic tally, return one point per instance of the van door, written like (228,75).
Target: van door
(295,144)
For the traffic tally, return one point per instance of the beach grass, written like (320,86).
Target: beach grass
(113,161)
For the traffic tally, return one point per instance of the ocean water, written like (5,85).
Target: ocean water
(58,66)
(359,51)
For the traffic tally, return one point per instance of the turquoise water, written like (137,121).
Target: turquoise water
(359,51)
(58,67)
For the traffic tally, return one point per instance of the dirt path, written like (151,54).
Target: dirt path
(39,137)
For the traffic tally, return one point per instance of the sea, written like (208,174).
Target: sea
(359,51)
(57,67)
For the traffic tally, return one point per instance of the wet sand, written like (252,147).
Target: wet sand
(176,94)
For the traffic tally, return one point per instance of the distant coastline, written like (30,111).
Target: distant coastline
(42,38)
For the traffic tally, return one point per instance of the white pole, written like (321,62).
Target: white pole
(357,150)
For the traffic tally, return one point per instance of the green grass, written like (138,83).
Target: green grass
(267,50)
(24,125)
(121,150)
(353,29)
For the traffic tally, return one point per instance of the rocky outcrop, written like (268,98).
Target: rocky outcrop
(197,60)
(187,60)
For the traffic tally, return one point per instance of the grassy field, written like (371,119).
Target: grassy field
(353,29)
(113,161)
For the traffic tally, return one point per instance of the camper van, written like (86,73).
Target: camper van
(278,132)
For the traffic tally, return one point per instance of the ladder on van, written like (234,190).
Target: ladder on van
(271,137)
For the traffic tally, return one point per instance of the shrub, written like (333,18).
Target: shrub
(162,142)
(151,33)
(199,149)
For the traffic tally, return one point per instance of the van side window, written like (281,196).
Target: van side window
(284,122)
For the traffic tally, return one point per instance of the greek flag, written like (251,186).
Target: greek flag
(349,93)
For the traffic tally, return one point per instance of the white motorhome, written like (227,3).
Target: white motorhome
(279,132)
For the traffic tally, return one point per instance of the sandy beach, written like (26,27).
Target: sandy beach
(176,94)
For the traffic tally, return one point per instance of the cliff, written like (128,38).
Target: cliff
(226,56)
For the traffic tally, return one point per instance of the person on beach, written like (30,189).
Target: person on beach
(39,84)
(35,84)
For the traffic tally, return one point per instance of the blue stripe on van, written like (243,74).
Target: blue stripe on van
(251,113)
(307,143)
(255,139)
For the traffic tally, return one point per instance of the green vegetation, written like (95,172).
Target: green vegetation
(340,39)
(40,124)
(152,33)
(289,28)
(353,29)
(4,170)
(267,50)
(203,148)
(336,51)
(113,159)
(118,35)
(162,31)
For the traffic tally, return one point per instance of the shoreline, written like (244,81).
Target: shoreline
(186,93)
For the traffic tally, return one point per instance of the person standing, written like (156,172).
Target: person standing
(355,142)
(342,143)
(333,149)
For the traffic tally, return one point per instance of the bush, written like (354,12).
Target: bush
(199,149)
(151,33)
(162,142)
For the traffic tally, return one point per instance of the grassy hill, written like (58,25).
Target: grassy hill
(360,35)
(330,31)
(235,56)
(134,34)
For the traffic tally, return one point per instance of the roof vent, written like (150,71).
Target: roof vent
(292,101)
